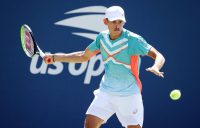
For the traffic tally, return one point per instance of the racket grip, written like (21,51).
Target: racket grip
(41,54)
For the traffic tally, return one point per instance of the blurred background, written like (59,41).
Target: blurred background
(36,95)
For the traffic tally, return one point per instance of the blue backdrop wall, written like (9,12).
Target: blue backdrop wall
(36,95)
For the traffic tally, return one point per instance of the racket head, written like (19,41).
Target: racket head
(27,41)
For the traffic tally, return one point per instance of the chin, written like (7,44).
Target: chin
(118,32)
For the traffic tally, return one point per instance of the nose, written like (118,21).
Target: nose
(117,26)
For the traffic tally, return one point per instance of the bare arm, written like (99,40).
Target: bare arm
(158,63)
(76,57)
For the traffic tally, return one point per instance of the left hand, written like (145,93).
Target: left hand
(156,71)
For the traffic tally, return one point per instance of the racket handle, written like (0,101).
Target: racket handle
(41,53)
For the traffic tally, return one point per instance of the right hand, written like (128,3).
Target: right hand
(48,59)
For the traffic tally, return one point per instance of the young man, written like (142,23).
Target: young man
(120,88)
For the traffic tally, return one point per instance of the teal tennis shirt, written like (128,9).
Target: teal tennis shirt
(121,59)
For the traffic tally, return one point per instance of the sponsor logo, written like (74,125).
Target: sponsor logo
(135,111)
(89,17)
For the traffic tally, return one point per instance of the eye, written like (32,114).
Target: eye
(114,22)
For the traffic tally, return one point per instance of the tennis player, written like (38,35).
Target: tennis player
(120,88)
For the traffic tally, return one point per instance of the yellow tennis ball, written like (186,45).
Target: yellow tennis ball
(175,94)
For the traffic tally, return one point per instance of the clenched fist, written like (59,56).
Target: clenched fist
(48,58)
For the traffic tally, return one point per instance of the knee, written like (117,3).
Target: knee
(88,124)
(134,126)
(92,122)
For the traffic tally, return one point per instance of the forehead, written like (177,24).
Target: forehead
(116,21)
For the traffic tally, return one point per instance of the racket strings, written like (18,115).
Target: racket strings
(29,46)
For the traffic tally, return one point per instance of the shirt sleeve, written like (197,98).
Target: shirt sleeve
(139,46)
(95,45)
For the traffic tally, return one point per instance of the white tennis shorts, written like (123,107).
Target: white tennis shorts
(128,109)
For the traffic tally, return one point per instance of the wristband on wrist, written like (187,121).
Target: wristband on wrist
(53,58)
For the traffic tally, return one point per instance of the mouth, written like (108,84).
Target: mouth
(116,29)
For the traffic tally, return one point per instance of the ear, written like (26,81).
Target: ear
(105,21)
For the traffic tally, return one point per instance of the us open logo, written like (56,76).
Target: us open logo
(90,18)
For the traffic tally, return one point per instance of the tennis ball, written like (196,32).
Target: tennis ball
(175,94)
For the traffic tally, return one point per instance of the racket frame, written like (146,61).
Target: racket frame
(37,49)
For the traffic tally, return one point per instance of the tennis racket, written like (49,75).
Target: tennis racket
(29,44)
